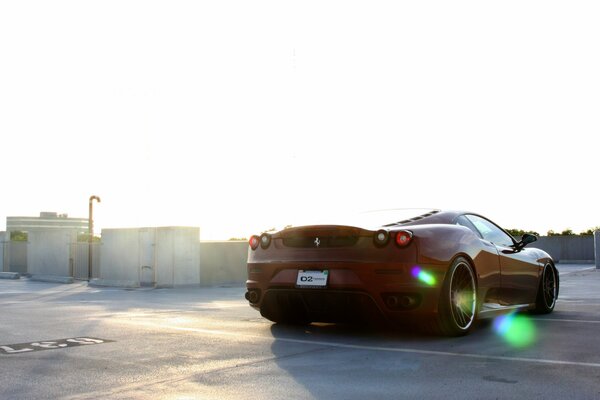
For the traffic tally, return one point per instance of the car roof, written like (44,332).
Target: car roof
(388,218)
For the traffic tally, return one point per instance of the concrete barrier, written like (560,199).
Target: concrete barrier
(48,256)
(223,263)
(164,256)
(174,256)
(15,256)
(177,255)
(119,255)
(52,278)
(3,244)
(567,248)
(98,282)
(10,275)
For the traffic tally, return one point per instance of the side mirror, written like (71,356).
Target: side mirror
(526,239)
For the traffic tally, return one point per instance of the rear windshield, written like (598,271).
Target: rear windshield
(374,219)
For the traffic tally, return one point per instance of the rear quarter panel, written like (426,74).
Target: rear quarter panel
(441,244)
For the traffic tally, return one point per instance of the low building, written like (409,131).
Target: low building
(47,221)
(43,231)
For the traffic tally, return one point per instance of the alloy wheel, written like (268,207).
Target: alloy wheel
(463,298)
(549,286)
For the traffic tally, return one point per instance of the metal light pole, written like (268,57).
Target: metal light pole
(91,234)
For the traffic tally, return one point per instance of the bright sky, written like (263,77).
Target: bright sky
(237,116)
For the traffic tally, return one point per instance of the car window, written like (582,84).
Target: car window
(463,221)
(490,232)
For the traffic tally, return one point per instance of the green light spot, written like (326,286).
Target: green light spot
(516,329)
(423,276)
(427,278)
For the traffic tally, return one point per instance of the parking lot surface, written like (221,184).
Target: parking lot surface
(79,342)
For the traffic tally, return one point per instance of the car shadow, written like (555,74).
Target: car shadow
(321,357)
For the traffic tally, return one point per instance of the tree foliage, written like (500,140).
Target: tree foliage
(590,231)
(19,236)
(566,232)
(84,237)
(521,232)
(569,232)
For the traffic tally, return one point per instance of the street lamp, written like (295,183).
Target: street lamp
(91,234)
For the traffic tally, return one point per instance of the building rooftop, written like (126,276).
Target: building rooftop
(46,220)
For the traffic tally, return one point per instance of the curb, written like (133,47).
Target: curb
(97,282)
(52,278)
(10,275)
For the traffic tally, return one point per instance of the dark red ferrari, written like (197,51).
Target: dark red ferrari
(442,269)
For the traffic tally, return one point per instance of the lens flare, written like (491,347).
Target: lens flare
(516,329)
(423,276)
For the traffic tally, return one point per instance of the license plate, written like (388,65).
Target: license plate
(312,278)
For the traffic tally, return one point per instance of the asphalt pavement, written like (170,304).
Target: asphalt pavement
(71,341)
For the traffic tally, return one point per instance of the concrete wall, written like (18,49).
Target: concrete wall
(173,256)
(223,262)
(119,256)
(16,256)
(49,252)
(597,248)
(567,248)
(178,256)
(3,245)
(165,256)
(80,260)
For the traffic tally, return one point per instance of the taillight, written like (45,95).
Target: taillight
(265,240)
(381,238)
(254,242)
(403,238)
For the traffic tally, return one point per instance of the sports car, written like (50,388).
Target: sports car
(440,269)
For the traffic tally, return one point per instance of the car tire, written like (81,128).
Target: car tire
(457,307)
(547,291)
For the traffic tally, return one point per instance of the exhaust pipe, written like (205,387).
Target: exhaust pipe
(391,301)
(407,301)
(401,301)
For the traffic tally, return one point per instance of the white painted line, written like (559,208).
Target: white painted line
(219,306)
(33,292)
(4,293)
(373,348)
(566,320)
(574,272)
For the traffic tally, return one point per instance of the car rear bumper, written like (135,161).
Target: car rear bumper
(355,292)
(319,306)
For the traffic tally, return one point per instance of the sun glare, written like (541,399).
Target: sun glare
(423,276)
(516,329)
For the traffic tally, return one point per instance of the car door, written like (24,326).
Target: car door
(518,269)
(488,266)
